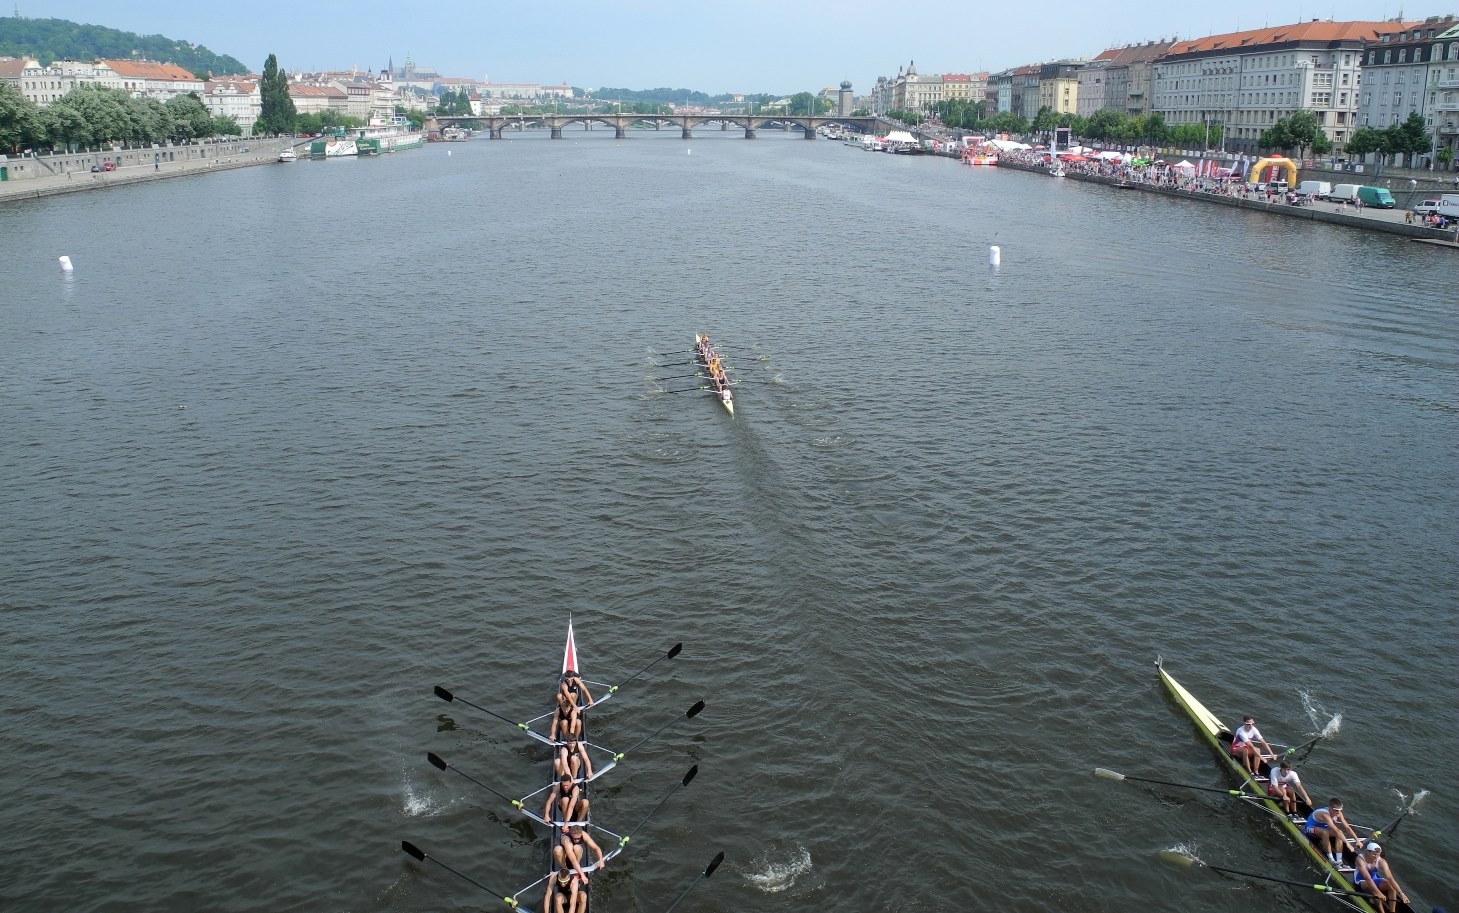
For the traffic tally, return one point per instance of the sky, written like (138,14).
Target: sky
(751,46)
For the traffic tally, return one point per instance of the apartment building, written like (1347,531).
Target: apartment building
(1413,70)
(1249,80)
(1091,83)
(239,99)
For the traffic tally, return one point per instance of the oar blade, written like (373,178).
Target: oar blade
(1105,773)
(444,695)
(436,761)
(693,772)
(694,711)
(1178,858)
(413,851)
(714,864)
(675,650)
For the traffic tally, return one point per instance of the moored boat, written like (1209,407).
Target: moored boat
(288,155)
(1218,736)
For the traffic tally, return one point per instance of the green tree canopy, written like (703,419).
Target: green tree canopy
(277,112)
(58,39)
(20,122)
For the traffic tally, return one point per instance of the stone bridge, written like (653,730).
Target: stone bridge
(620,123)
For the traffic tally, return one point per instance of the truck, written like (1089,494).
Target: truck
(1448,206)
(1317,190)
(1376,197)
(1344,193)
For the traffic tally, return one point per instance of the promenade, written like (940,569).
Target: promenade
(1392,221)
(258,152)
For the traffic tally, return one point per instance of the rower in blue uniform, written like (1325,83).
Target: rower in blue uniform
(1325,827)
(1371,874)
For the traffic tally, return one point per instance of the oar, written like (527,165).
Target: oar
(674,651)
(623,841)
(689,714)
(439,763)
(1178,858)
(420,855)
(448,697)
(1106,774)
(1307,745)
(1388,831)
(691,390)
(708,871)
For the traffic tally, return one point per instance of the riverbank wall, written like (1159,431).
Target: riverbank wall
(31,177)
(1314,213)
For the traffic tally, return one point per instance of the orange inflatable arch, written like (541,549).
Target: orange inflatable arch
(1285,164)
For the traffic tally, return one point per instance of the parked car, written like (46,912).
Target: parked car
(1276,186)
(108,166)
(95,169)
(1424,207)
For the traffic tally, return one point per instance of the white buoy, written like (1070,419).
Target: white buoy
(448,153)
(66,264)
(690,151)
(995,255)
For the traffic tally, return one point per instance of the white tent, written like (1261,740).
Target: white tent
(1006,144)
(1111,154)
(900,136)
(1183,165)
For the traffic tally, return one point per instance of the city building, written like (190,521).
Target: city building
(309,99)
(1413,70)
(845,101)
(1027,90)
(1091,83)
(1249,80)
(1059,86)
(239,99)
(1130,77)
(150,79)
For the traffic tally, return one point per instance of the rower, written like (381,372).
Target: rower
(572,758)
(567,721)
(570,851)
(564,893)
(569,799)
(1285,786)
(1243,746)
(573,687)
(1371,874)
(1325,827)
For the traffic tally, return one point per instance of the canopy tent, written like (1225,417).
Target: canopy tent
(1183,165)
(1111,155)
(1004,145)
(1072,157)
(900,136)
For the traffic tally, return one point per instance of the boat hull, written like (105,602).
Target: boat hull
(1218,736)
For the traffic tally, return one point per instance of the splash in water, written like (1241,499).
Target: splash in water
(1316,713)
(1410,806)
(774,877)
(415,804)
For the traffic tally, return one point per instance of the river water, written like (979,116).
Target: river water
(294,444)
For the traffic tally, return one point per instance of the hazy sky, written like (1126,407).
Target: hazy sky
(750,46)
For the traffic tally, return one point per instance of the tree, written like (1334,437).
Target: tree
(1446,156)
(19,123)
(225,126)
(1363,142)
(102,114)
(276,108)
(187,118)
(1045,121)
(861,112)
(1156,132)
(1412,138)
(1278,137)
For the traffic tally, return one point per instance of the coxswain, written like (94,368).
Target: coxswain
(567,723)
(572,759)
(1325,827)
(1285,786)
(1243,746)
(1371,874)
(568,798)
(573,686)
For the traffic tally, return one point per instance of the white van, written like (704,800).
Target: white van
(1317,190)
(1344,193)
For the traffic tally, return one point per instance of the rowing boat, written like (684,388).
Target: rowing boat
(704,357)
(538,728)
(1218,736)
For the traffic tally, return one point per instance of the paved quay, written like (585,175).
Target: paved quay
(1392,221)
(263,152)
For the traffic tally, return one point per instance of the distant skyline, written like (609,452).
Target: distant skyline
(640,44)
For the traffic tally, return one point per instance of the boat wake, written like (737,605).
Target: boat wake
(772,877)
(1316,713)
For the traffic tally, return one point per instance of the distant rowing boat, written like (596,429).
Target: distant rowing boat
(707,358)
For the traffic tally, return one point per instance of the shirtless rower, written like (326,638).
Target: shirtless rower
(572,760)
(567,797)
(1325,826)
(1243,745)
(1285,786)
(1372,874)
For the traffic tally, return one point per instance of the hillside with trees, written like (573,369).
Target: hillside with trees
(59,39)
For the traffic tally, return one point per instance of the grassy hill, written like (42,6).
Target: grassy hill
(58,39)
